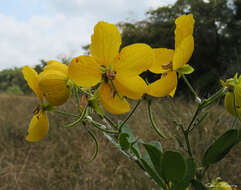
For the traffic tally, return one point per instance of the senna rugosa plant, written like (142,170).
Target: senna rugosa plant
(104,81)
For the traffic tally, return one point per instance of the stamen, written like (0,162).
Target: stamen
(36,110)
(167,66)
(110,74)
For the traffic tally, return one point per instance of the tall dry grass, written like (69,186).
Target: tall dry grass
(60,161)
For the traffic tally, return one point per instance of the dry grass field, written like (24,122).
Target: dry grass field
(60,161)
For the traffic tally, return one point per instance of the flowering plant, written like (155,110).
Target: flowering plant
(104,81)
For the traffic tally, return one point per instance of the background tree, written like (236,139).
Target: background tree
(217,38)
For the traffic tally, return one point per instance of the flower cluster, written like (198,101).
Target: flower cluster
(113,72)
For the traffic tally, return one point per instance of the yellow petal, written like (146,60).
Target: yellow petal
(237,92)
(114,105)
(164,86)
(31,76)
(229,103)
(184,28)
(172,93)
(163,57)
(132,87)
(56,66)
(105,43)
(134,59)
(38,127)
(54,86)
(183,53)
(84,71)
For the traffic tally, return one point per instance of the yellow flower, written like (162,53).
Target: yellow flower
(117,72)
(53,83)
(222,186)
(233,96)
(168,61)
(39,125)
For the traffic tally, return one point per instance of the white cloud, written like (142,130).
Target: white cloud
(25,43)
(64,27)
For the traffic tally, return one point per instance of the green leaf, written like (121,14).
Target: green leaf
(185,70)
(154,151)
(153,173)
(189,175)
(198,185)
(132,140)
(173,166)
(123,140)
(221,147)
(113,141)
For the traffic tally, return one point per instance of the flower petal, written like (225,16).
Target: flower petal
(134,59)
(114,105)
(84,71)
(56,66)
(132,87)
(163,56)
(184,28)
(229,103)
(172,93)
(31,76)
(183,53)
(54,86)
(164,86)
(105,43)
(38,127)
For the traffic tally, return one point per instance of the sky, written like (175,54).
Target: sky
(31,30)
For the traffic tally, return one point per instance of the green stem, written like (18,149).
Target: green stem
(76,93)
(98,126)
(66,113)
(190,87)
(234,122)
(92,135)
(153,124)
(111,122)
(186,136)
(73,124)
(130,114)
(213,98)
(194,117)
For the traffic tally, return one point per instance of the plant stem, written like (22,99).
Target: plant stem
(234,122)
(186,136)
(66,113)
(92,135)
(153,124)
(76,93)
(198,110)
(213,98)
(190,87)
(111,122)
(73,124)
(130,114)
(98,126)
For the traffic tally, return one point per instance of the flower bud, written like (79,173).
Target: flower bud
(222,186)
(229,101)
(53,84)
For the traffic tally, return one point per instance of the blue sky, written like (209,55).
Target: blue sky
(31,30)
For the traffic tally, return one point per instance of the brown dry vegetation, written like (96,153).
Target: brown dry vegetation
(60,161)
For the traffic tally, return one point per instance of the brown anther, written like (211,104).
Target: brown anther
(167,66)
(36,110)
(164,74)
(110,74)
(83,102)
(76,60)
